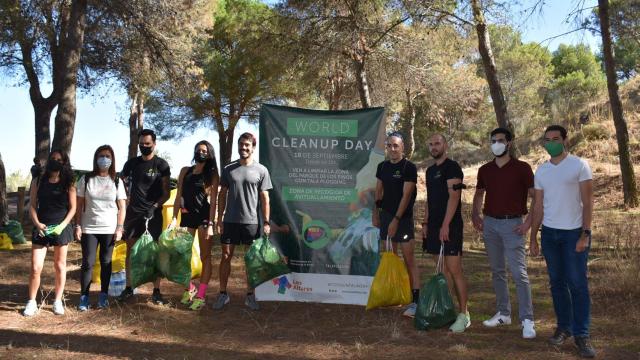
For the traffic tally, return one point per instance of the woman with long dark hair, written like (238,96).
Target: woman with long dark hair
(53,204)
(195,184)
(99,220)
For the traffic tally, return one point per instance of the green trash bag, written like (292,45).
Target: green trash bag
(435,306)
(143,258)
(174,258)
(14,230)
(264,262)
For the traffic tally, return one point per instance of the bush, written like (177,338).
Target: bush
(595,132)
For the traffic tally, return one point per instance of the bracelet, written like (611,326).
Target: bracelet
(425,224)
(78,226)
(396,217)
(119,226)
(266,222)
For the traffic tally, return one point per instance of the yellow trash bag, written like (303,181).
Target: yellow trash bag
(390,285)
(196,263)
(5,242)
(118,261)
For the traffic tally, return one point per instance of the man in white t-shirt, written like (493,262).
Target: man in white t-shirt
(564,206)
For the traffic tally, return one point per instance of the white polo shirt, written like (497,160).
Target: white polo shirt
(561,186)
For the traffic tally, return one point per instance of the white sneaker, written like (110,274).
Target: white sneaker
(497,320)
(31,308)
(410,310)
(58,308)
(528,330)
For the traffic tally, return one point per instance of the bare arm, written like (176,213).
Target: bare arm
(526,224)
(478,201)
(166,193)
(72,205)
(536,215)
(375,215)
(452,205)
(33,206)
(177,203)
(222,203)
(408,188)
(213,195)
(586,195)
(266,211)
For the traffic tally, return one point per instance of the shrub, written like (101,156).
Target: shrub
(594,132)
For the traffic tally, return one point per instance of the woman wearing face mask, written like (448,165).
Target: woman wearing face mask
(99,219)
(195,184)
(53,204)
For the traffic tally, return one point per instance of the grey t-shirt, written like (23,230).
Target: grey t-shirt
(245,184)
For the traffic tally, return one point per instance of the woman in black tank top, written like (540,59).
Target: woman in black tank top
(195,184)
(53,205)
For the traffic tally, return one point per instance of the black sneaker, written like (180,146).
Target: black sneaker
(125,295)
(559,337)
(157,298)
(585,349)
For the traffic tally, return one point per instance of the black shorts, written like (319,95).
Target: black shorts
(453,247)
(63,239)
(134,225)
(405,228)
(236,234)
(194,220)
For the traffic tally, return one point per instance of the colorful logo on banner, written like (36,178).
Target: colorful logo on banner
(282,283)
(316,234)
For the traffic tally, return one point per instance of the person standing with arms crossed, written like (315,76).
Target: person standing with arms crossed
(393,214)
(442,224)
(503,186)
(147,179)
(244,187)
(564,207)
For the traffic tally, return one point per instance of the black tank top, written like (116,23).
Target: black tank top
(193,192)
(53,202)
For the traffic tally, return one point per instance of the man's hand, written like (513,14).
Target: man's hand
(393,228)
(583,243)
(425,230)
(118,234)
(534,250)
(210,231)
(150,212)
(522,228)
(478,222)
(173,223)
(266,228)
(444,233)
(375,219)
(220,228)
(78,233)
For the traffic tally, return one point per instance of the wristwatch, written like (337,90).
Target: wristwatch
(587,232)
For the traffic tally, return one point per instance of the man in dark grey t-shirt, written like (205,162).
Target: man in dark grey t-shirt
(244,187)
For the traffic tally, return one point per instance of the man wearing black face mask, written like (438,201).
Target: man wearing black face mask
(147,179)
(503,186)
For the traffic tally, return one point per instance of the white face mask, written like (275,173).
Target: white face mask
(103,162)
(498,149)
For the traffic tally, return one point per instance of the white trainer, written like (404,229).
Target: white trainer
(31,308)
(497,320)
(58,308)
(528,329)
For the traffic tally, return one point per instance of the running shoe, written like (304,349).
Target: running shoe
(30,309)
(223,299)
(497,320)
(103,300)
(251,302)
(58,307)
(84,303)
(188,296)
(410,311)
(462,322)
(125,295)
(157,298)
(197,304)
(528,329)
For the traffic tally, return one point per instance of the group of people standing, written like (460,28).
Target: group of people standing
(104,214)
(235,204)
(560,209)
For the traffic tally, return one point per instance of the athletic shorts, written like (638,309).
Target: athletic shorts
(134,225)
(453,247)
(194,220)
(51,240)
(236,234)
(405,228)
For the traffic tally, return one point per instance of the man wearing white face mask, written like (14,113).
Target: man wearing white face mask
(503,187)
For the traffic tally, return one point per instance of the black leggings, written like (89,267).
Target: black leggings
(89,244)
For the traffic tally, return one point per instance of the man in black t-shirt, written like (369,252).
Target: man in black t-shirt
(147,181)
(442,224)
(393,213)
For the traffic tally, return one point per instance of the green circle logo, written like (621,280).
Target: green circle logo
(316,234)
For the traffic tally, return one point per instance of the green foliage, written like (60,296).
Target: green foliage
(595,131)
(572,58)
(16,180)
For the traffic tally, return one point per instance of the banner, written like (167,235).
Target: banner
(322,166)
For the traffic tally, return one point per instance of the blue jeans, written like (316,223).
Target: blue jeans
(568,279)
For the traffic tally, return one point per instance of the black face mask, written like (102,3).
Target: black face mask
(54,165)
(145,150)
(200,158)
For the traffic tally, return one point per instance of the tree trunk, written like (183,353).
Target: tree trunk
(489,65)
(42,112)
(622,134)
(408,124)
(225,140)
(362,82)
(73,42)
(136,123)
(4,209)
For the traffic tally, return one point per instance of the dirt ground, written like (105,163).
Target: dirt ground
(141,330)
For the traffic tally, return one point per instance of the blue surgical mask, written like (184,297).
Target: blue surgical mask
(104,162)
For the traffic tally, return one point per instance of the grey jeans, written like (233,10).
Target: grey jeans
(503,245)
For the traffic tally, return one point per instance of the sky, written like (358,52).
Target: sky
(100,113)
